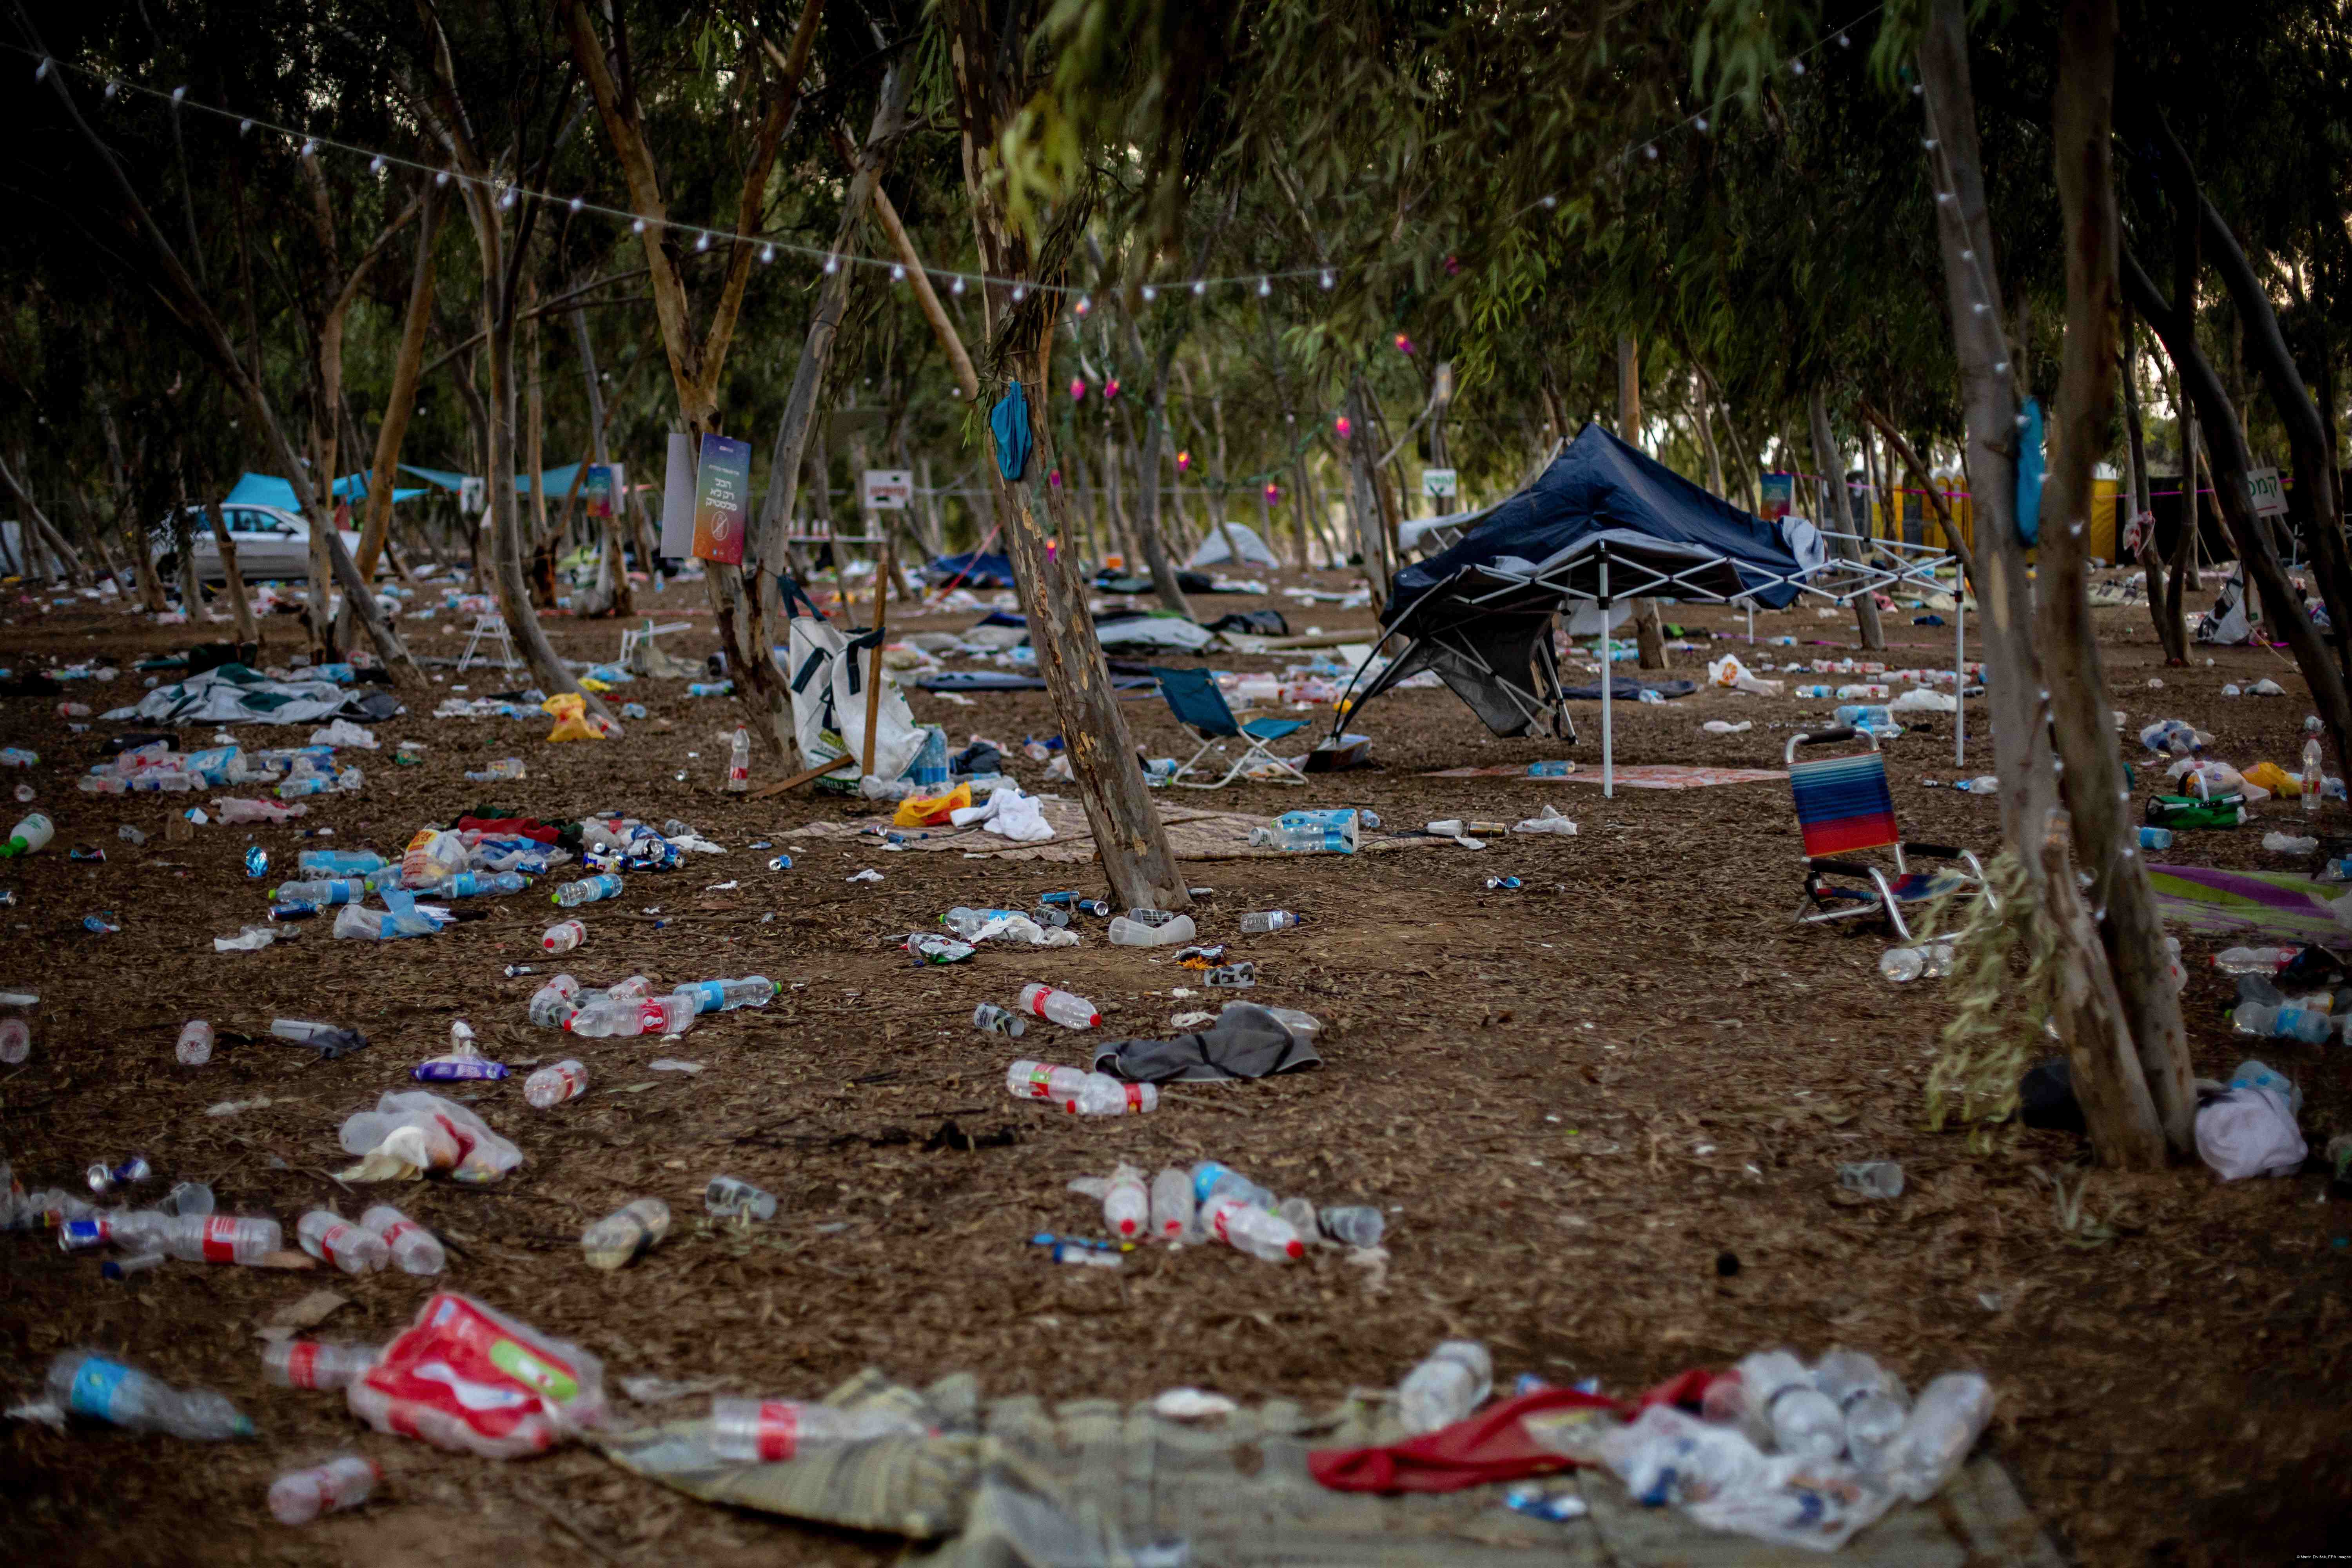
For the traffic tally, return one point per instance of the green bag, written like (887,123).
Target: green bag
(2178,811)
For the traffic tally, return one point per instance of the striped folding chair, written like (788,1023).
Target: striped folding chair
(1844,809)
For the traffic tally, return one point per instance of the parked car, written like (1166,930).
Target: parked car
(270,545)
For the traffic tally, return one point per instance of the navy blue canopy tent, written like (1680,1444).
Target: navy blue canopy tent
(972,571)
(1602,524)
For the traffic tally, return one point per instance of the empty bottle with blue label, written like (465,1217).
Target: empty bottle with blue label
(337,891)
(86,1383)
(2285,1022)
(481,885)
(1212,1180)
(338,862)
(587,891)
(726,995)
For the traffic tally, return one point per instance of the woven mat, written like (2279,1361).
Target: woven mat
(1193,833)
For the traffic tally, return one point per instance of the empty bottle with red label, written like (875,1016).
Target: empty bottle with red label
(1103,1095)
(770,1431)
(344,1481)
(316,1363)
(220,1239)
(739,762)
(1127,1206)
(1041,1081)
(552,1004)
(1246,1227)
(1063,1009)
(353,1249)
(195,1046)
(563,936)
(1173,1204)
(553,1086)
(417,1249)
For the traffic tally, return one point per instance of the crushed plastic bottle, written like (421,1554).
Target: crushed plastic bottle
(990,1019)
(1173,1204)
(1246,1227)
(2311,1026)
(1447,1386)
(1127,933)
(1353,1225)
(345,1481)
(317,1363)
(1212,1180)
(770,1431)
(1776,1396)
(554,1004)
(1061,1007)
(1951,1413)
(354,1249)
(84,1383)
(563,936)
(1872,1178)
(552,1086)
(414,1248)
(1126,1205)
(2254,960)
(587,891)
(1103,1095)
(627,1232)
(1870,1398)
(2289,842)
(1902,965)
(726,1197)
(505,770)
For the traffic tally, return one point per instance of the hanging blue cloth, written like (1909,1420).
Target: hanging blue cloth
(2032,467)
(1009,420)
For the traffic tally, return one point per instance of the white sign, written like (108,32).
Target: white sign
(677,497)
(2269,497)
(1435,482)
(890,490)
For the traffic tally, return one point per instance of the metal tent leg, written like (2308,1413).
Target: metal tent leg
(1608,684)
(1959,669)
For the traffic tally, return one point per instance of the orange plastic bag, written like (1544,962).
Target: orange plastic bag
(572,721)
(917,810)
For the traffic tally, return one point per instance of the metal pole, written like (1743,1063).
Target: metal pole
(1959,668)
(1608,683)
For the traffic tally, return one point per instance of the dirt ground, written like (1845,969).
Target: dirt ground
(1605,1112)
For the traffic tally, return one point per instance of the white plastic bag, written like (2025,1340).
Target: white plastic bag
(1729,672)
(1920,699)
(1009,813)
(2250,1131)
(410,1134)
(828,691)
(1551,821)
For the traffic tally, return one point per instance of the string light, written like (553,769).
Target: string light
(1698,123)
(441,177)
(1200,286)
(310,150)
(702,241)
(41,71)
(243,126)
(1184,461)
(576,204)
(1264,287)
(1796,67)
(178,93)
(1077,389)
(1019,293)
(897,274)
(832,265)
(1149,293)
(376,165)
(1110,390)
(1341,428)
(956,287)
(112,89)
(638,227)
(1085,305)
(1327,279)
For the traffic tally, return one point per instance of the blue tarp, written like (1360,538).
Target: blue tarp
(442,476)
(993,571)
(1599,486)
(555,481)
(268,489)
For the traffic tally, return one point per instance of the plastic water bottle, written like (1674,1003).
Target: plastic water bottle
(1780,1398)
(726,995)
(1103,1095)
(220,1239)
(478,885)
(1258,922)
(554,1004)
(1950,1415)
(1905,965)
(315,1363)
(1126,932)
(625,1233)
(1127,1206)
(587,891)
(1173,1204)
(1872,1178)
(347,1480)
(564,936)
(1870,1398)
(554,1085)
(1027,1080)
(16,1041)
(2313,781)
(2285,1023)
(354,1249)
(1304,838)
(86,1383)
(1558,770)
(1984,783)
(739,762)
(1247,1228)
(2253,959)
(2156,838)
(2251,1074)
(332,890)
(28,837)
(1353,1225)
(2289,844)
(1071,1011)
(1447,1387)
(417,1249)
(1212,1180)
(770,1431)
(196,1044)
(727,1197)
(338,862)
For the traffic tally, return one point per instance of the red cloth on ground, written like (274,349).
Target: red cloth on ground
(509,827)
(1491,1446)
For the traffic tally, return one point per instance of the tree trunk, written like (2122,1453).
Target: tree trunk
(1989,397)
(613,592)
(2097,799)
(384,478)
(1372,535)
(38,525)
(1147,521)
(1649,630)
(2089,1016)
(239,605)
(1835,515)
(2163,594)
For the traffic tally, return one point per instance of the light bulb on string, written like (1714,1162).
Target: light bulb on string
(956,287)
(1796,68)
(1343,428)
(1110,390)
(1020,293)
(1272,493)
(243,126)
(1403,344)
(638,227)
(1077,389)
(178,93)
(1149,293)
(702,240)
(897,273)
(112,89)
(1327,279)
(310,148)
(1547,203)
(1200,286)
(376,165)
(1699,122)
(832,264)
(41,72)
(1264,287)
(1650,151)
(767,254)
(1085,306)
(1844,42)
(506,201)
(1184,461)
(441,177)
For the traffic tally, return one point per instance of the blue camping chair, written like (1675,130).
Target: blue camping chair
(1192,696)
